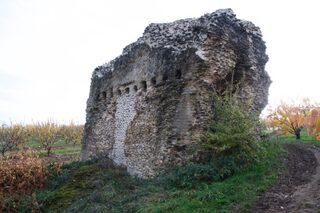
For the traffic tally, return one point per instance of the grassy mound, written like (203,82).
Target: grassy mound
(207,187)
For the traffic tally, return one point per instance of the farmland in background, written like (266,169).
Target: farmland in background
(53,142)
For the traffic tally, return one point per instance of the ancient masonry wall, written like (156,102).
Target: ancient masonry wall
(148,107)
(125,112)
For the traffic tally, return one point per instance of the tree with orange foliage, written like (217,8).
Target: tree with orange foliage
(312,122)
(287,119)
(291,119)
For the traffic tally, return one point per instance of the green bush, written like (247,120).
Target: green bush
(233,132)
(189,176)
(229,145)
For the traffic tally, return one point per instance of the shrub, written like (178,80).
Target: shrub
(229,145)
(189,176)
(233,132)
(21,173)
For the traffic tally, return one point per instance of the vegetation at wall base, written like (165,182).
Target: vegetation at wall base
(235,174)
(233,133)
(238,191)
(205,187)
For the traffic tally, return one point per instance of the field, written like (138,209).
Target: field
(53,142)
(61,151)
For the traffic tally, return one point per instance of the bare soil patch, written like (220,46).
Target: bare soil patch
(298,186)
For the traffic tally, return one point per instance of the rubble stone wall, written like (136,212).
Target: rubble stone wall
(149,106)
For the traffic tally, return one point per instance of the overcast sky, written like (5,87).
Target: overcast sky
(49,48)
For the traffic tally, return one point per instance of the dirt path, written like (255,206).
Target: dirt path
(298,187)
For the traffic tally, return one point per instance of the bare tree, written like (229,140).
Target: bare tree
(11,137)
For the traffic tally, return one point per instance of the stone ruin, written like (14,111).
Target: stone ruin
(148,106)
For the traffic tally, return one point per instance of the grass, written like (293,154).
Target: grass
(59,148)
(305,138)
(63,151)
(33,143)
(67,150)
(100,187)
(237,193)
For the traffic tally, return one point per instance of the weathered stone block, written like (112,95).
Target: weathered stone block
(148,106)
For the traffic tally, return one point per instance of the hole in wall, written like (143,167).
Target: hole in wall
(144,85)
(119,92)
(178,74)
(104,95)
(135,88)
(111,92)
(153,81)
(127,90)
(165,77)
